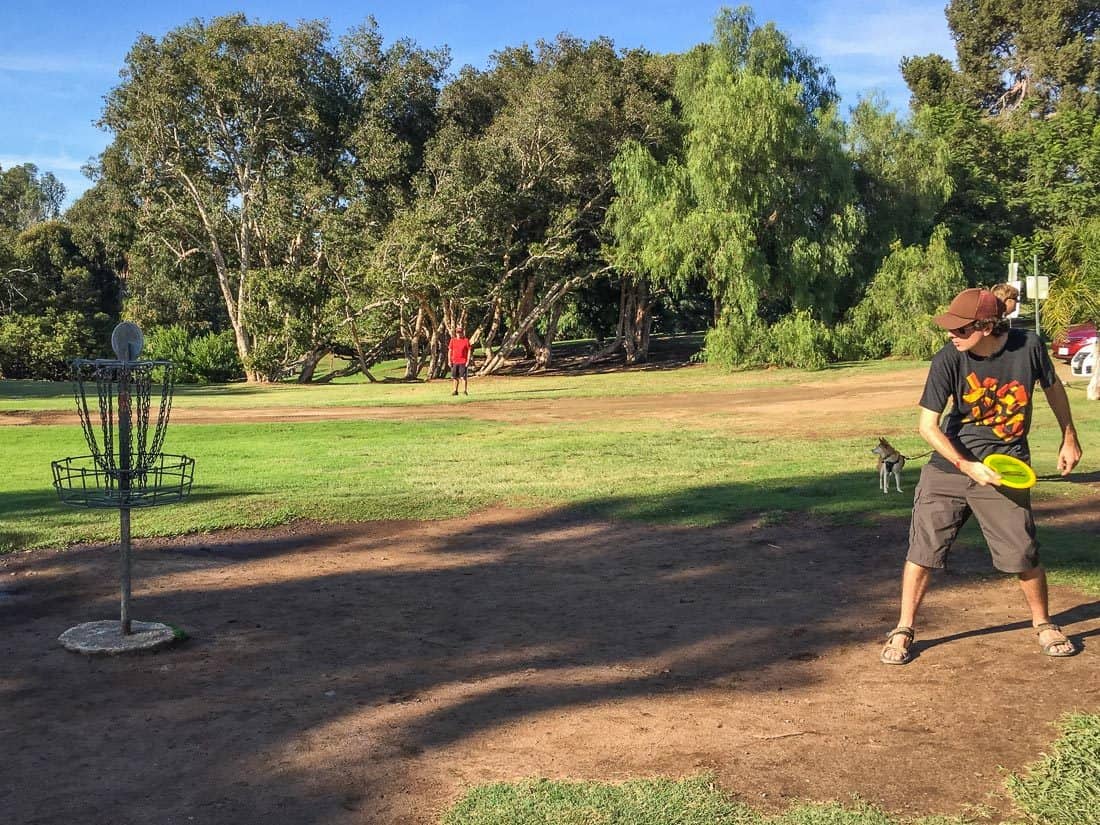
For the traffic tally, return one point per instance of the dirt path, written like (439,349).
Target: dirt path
(370,673)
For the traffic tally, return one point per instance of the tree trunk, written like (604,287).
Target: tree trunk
(519,332)
(414,360)
(635,323)
(309,365)
(486,337)
(639,321)
(437,367)
(540,350)
(543,346)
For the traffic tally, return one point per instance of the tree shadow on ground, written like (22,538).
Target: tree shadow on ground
(326,660)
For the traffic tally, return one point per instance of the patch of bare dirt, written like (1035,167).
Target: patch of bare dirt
(371,673)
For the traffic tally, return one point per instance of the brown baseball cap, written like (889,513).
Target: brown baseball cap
(969,305)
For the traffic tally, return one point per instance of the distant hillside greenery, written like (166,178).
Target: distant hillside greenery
(273,195)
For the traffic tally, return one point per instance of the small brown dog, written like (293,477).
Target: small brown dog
(890,462)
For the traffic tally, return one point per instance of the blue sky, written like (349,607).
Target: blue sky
(58,60)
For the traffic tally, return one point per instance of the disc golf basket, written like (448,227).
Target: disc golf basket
(126,469)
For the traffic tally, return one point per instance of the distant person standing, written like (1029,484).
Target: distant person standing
(1009,298)
(459,358)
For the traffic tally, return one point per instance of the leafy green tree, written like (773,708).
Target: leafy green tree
(982,213)
(41,346)
(902,176)
(1058,158)
(508,219)
(895,317)
(27,197)
(103,219)
(1075,293)
(55,302)
(52,272)
(761,202)
(1039,56)
(219,121)
(932,81)
(1019,120)
(240,140)
(394,102)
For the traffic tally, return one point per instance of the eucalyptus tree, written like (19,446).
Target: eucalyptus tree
(515,187)
(394,94)
(227,125)
(28,197)
(761,201)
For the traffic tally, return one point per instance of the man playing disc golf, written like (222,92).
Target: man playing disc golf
(990,372)
(458,352)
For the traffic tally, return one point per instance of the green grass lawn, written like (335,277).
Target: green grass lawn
(693,801)
(251,475)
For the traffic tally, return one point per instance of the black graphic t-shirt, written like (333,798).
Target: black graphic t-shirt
(992,396)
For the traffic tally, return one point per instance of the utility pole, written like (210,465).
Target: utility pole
(1035,280)
(1037,288)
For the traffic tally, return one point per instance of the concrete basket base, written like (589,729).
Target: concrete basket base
(104,638)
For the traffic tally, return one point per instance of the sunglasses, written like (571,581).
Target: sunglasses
(963,332)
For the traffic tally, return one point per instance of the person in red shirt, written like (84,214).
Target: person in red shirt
(459,358)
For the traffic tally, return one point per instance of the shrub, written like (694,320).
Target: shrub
(798,340)
(42,346)
(795,340)
(210,358)
(214,357)
(736,342)
(169,344)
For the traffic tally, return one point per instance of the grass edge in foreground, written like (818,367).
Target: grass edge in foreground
(1061,788)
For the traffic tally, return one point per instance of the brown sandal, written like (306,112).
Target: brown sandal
(906,653)
(1049,646)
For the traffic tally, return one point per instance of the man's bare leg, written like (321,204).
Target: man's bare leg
(1034,584)
(914,584)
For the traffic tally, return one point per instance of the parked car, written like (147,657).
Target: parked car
(1084,362)
(1067,344)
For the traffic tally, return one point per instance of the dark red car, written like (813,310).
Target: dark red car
(1067,344)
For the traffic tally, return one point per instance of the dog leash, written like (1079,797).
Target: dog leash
(912,457)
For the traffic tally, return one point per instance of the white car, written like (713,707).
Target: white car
(1084,361)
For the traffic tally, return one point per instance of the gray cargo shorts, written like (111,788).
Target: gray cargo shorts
(942,505)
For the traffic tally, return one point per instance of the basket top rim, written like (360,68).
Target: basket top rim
(114,362)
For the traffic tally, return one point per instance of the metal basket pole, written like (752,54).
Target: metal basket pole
(124,490)
(126,469)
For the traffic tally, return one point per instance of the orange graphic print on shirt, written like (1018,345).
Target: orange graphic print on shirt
(1000,407)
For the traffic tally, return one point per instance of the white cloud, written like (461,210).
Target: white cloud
(52,64)
(880,31)
(55,164)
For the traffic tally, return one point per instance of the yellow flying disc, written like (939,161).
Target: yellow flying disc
(1013,472)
